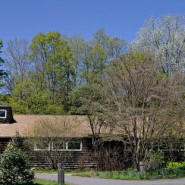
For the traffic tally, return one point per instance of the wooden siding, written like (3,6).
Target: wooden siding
(108,155)
(72,159)
(3,144)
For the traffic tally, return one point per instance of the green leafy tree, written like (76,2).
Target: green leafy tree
(86,101)
(78,46)
(95,57)
(53,66)
(27,98)
(15,167)
(99,52)
(92,57)
(58,66)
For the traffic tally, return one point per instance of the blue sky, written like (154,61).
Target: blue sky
(119,18)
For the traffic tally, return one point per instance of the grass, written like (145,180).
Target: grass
(126,175)
(129,174)
(45,182)
(45,171)
(123,175)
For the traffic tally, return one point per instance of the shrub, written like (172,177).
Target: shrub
(155,161)
(15,167)
(176,165)
(177,168)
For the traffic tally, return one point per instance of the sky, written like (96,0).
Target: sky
(23,19)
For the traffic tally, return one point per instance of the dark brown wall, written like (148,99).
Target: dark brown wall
(3,143)
(72,159)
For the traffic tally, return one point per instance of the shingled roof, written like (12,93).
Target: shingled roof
(25,125)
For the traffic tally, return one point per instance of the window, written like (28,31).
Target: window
(58,146)
(74,146)
(3,113)
(67,146)
(41,147)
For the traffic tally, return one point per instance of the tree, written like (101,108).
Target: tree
(53,66)
(18,63)
(3,73)
(78,46)
(165,38)
(141,102)
(86,101)
(15,166)
(114,47)
(27,98)
(92,57)
(58,65)
(99,52)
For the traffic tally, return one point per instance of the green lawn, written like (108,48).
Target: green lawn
(46,171)
(45,182)
(176,170)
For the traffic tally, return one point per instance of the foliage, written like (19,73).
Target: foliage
(126,175)
(53,66)
(139,103)
(130,174)
(27,98)
(4,99)
(176,168)
(15,167)
(86,101)
(172,170)
(18,142)
(137,92)
(155,160)
(164,37)
(92,57)
(43,74)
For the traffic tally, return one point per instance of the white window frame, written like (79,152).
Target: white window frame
(41,149)
(51,147)
(58,149)
(67,148)
(5,113)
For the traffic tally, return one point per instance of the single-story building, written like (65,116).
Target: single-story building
(67,138)
(56,138)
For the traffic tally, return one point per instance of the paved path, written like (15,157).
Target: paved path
(96,181)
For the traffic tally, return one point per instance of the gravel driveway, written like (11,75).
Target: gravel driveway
(96,181)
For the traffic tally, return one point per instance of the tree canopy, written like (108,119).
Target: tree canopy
(165,38)
(44,74)
(139,101)
(136,89)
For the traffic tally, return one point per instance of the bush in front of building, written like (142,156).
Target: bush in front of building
(15,167)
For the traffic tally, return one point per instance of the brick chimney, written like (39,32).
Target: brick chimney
(6,115)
